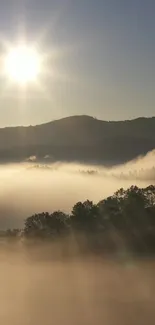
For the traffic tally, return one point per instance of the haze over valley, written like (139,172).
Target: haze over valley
(77,162)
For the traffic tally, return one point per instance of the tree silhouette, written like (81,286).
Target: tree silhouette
(45,224)
(58,222)
(84,216)
(131,213)
(37,224)
(127,214)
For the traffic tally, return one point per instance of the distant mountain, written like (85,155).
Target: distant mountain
(79,138)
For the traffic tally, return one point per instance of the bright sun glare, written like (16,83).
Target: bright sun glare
(22,64)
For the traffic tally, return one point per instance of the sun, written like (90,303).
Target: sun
(22,64)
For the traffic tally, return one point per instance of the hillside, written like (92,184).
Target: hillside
(79,138)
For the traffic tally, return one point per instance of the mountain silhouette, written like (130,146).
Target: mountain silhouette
(79,138)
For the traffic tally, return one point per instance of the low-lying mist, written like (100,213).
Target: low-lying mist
(90,291)
(37,285)
(31,187)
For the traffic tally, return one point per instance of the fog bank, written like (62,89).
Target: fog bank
(27,188)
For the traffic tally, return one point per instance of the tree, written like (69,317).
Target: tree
(84,216)
(131,213)
(58,222)
(45,224)
(37,224)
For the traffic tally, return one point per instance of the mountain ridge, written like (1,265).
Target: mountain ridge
(79,138)
(140,118)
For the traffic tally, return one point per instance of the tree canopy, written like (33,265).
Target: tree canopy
(126,217)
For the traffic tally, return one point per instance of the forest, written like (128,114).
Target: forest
(123,221)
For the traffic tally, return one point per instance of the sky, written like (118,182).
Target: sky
(100,58)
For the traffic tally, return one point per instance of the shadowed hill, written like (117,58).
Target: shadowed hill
(79,138)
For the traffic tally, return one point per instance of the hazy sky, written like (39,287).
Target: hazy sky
(102,58)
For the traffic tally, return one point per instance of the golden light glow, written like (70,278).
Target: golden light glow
(22,64)
(30,68)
